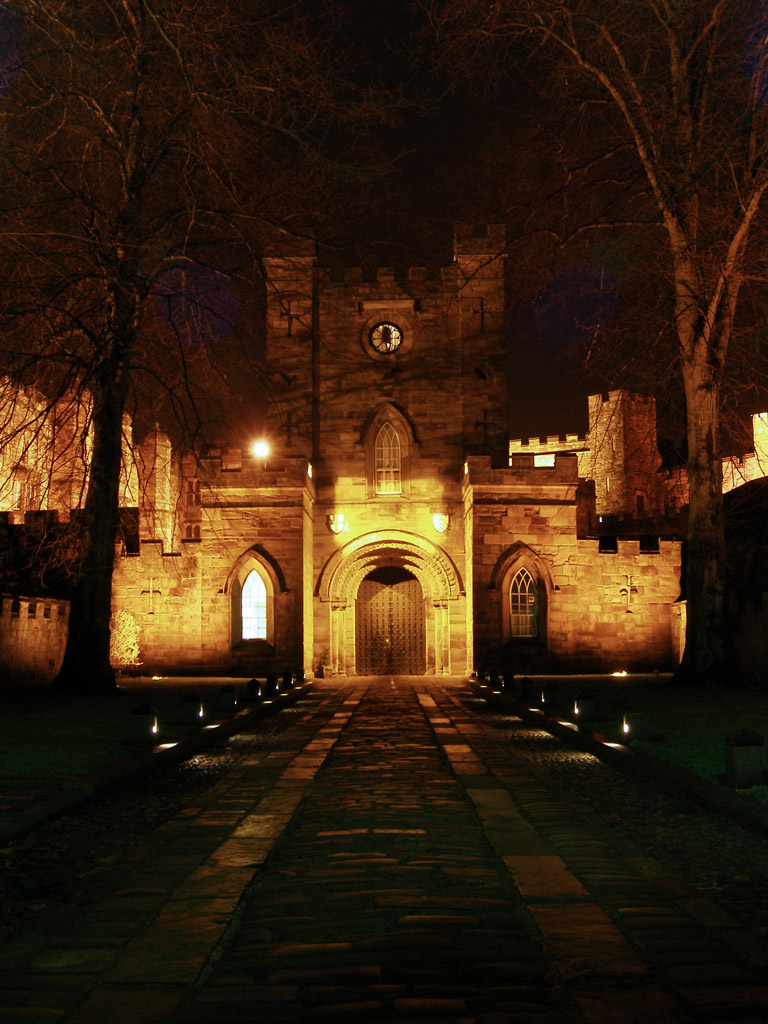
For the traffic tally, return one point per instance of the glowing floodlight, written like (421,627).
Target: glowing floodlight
(260,449)
(584,707)
(194,712)
(637,726)
(146,727)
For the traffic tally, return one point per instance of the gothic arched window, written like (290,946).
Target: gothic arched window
(523,605)
(254,607)
(387,462)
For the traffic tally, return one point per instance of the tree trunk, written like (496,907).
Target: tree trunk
(86,667)
(704,657)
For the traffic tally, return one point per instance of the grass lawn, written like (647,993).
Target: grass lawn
(688,726)
(45,736)
(49,737)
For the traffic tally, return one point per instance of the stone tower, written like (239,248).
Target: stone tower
(447,370)
(484,376)
(623,457)
(388,383)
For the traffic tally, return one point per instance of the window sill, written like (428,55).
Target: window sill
(249,648)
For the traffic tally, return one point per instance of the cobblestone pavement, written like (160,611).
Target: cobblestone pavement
(391,858)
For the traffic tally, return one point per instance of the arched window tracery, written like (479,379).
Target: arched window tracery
(387,461)
(252,604)
(523,605)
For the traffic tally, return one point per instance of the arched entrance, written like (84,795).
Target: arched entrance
(390,635)
(388,558)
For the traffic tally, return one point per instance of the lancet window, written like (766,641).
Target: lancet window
(523,605)
(254,607)
(387,461)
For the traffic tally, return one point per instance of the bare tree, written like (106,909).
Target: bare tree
(147,146)
(680,88)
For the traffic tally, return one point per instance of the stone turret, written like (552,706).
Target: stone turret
(159,492)
(624,458)
(480,256)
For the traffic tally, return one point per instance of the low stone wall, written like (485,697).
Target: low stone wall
(33,633)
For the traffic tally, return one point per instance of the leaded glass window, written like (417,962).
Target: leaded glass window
(387,461)
(254,607)
(523,605)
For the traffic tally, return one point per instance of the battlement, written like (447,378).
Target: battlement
(234,467)
(33,633)
(524,468)
(18,606)
(292,259)
(380,276)
(479,240)
(550,444)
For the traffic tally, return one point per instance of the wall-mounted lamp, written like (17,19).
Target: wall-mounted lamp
(260,450)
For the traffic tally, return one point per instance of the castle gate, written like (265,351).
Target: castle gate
(390,637)
(390,598)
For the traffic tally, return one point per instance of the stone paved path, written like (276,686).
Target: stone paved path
(391,860)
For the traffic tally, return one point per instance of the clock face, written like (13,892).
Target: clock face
(386,338)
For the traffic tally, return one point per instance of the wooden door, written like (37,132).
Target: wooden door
(389,624)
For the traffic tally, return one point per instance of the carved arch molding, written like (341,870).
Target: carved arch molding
(440,582)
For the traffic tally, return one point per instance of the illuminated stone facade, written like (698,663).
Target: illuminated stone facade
(386,523)
(604,603)
(388,528)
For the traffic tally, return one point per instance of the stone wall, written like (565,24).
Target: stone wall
(462,521)
(606,606)
(33,633)
(738,470)
(182,600)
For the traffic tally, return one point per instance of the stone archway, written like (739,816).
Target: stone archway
(414,556)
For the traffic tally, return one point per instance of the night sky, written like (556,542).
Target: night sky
(460,152)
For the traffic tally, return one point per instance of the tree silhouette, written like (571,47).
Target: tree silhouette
(673,94)
(148,145)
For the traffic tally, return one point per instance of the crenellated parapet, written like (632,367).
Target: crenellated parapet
(234,476)
(33,633)
(523,470)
